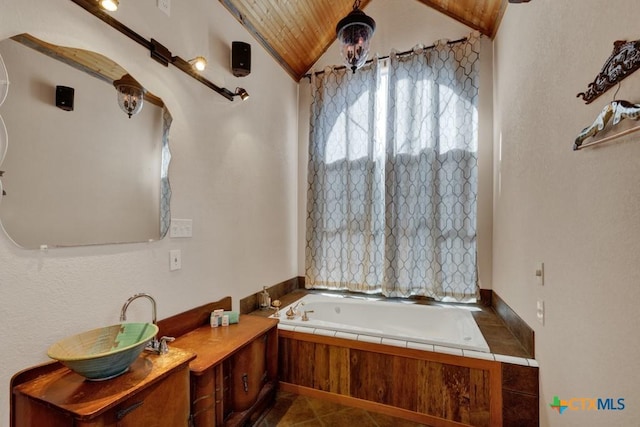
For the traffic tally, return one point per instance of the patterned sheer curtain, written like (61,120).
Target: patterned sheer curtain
(392,176)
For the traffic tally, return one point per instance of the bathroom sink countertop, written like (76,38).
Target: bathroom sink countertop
(212,345)
(86,399)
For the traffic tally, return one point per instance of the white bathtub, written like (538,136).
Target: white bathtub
(386,322)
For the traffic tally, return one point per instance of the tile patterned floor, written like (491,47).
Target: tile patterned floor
(292,410)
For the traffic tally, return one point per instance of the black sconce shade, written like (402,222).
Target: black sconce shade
(64,97)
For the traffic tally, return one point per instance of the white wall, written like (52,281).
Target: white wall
(579,212)
(400,25)
(234,172)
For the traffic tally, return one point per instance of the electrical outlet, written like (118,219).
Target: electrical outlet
(175,260)
(165,6)
(540,311)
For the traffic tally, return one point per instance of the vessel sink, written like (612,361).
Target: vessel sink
(103,353)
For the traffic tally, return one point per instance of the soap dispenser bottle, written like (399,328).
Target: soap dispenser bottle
(264,299)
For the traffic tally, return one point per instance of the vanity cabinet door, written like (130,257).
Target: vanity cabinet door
(248,372)
(164,404)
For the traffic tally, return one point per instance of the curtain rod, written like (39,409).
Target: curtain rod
(406,52)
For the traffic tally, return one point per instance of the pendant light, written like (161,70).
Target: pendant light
(354,33)
(130,94)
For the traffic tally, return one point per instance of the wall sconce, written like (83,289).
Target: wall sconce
(199,63)
(130,94)
(158,52)
(243,94)
(110,5)
(354,33)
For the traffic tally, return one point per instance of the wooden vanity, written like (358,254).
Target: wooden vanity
(154,392)
(224,376)
(234,376)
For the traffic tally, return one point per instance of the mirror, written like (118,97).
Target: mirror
(86,176)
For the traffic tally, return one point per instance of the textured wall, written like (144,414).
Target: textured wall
(234,172)
(579,212)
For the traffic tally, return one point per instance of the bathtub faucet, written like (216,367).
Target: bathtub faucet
(293,311)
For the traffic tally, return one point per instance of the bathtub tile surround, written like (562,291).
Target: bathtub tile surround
(450,327)
(251,302)
(518,327)
(522,361)
(502,328)
(420,346)
(500,338)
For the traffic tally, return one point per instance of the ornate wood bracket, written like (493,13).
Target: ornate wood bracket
(624,60)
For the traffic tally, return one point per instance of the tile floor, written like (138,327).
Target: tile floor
(292,410)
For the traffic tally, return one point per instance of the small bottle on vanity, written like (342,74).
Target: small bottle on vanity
(264,299)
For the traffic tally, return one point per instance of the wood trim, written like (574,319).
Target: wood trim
(370,406)
(189,320)
(495,405)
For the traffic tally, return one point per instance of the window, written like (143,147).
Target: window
(392,175)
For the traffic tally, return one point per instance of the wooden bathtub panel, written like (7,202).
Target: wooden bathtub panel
(455,380)
(322,367)
(480,397)
(339,378)
(405,383)
(454,390)
(430,387)
(369,376)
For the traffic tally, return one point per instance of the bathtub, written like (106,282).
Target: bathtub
(387,322)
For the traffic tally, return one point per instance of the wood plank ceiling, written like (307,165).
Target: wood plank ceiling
(297,32)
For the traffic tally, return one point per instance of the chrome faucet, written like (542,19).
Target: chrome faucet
(155,345)
(123,312)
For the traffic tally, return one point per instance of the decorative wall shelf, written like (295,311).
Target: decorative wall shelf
(624,60)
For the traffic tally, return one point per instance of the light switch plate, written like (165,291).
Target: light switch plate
(175,260)
(539,271)
(540,311)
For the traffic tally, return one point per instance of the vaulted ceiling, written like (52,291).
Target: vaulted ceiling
(297,32)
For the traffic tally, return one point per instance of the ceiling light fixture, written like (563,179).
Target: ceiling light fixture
(199,63)
(110,5)
(354,33)
(130,94)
